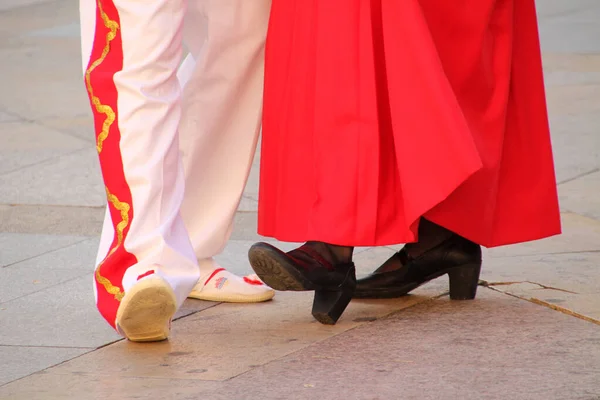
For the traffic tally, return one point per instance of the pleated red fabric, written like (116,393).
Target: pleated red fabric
(379,112)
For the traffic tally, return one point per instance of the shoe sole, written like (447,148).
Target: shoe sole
(274,269)
(233,298)
(146,311)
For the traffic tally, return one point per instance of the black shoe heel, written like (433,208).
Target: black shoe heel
(464,281)
(329,303)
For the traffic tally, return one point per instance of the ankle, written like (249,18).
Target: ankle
(332,253)
(430,236)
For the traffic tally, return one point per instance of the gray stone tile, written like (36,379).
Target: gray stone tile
(52,67)
(32,15)
(226,340)
(558,78)
(16,282)
(12,4)
(569,27)
(576,272)
(580,234)
(64,315)
(6,117)
(42,272)
(48,386)
(569,69)
(18,362)
(79,126)
(52,220)
(192,306)
(574,157)
(71,30)
(584,305)
(245,226)
(28,136)
(568,282)
(582,195)
(73,179)
(26,143)
(496,347)
(17,247)
(248,204)
(572,85)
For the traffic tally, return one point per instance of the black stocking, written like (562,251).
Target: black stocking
(430,235)
(332,253)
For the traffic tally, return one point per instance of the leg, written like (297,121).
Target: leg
(437,252)
(325,268)
(222,102)
(146,265)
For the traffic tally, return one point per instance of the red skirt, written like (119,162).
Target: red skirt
(379,112)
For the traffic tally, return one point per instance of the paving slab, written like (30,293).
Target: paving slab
(575,67)
(63,315)
(19,282)
(50,61)
(69,30)
(569,27)
(79,126)
(496,347)
(580,234)
(573,272)
(567,282)
(248,204)
(49,77)
(94,387)
(18,247)
(18,362)
(6,117)
(21,361)
(52,268)
(192,306)
(574,108)
(26,143)
(580,305)
(73,179)
(208,345)
(245,225)
(13,4)
(32,15)
(582,196)
(52,220)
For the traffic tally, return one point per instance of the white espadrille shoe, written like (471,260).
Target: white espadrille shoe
(146,310)
(224,286)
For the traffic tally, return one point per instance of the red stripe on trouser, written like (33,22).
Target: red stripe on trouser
(106,60)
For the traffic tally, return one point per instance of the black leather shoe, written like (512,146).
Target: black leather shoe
(305,269)
(456,256)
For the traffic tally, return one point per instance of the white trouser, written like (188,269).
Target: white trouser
(175,147)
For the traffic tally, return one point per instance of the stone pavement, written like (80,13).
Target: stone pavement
(531,334)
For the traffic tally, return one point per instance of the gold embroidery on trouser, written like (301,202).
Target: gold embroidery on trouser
(124,209)
(102,108)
